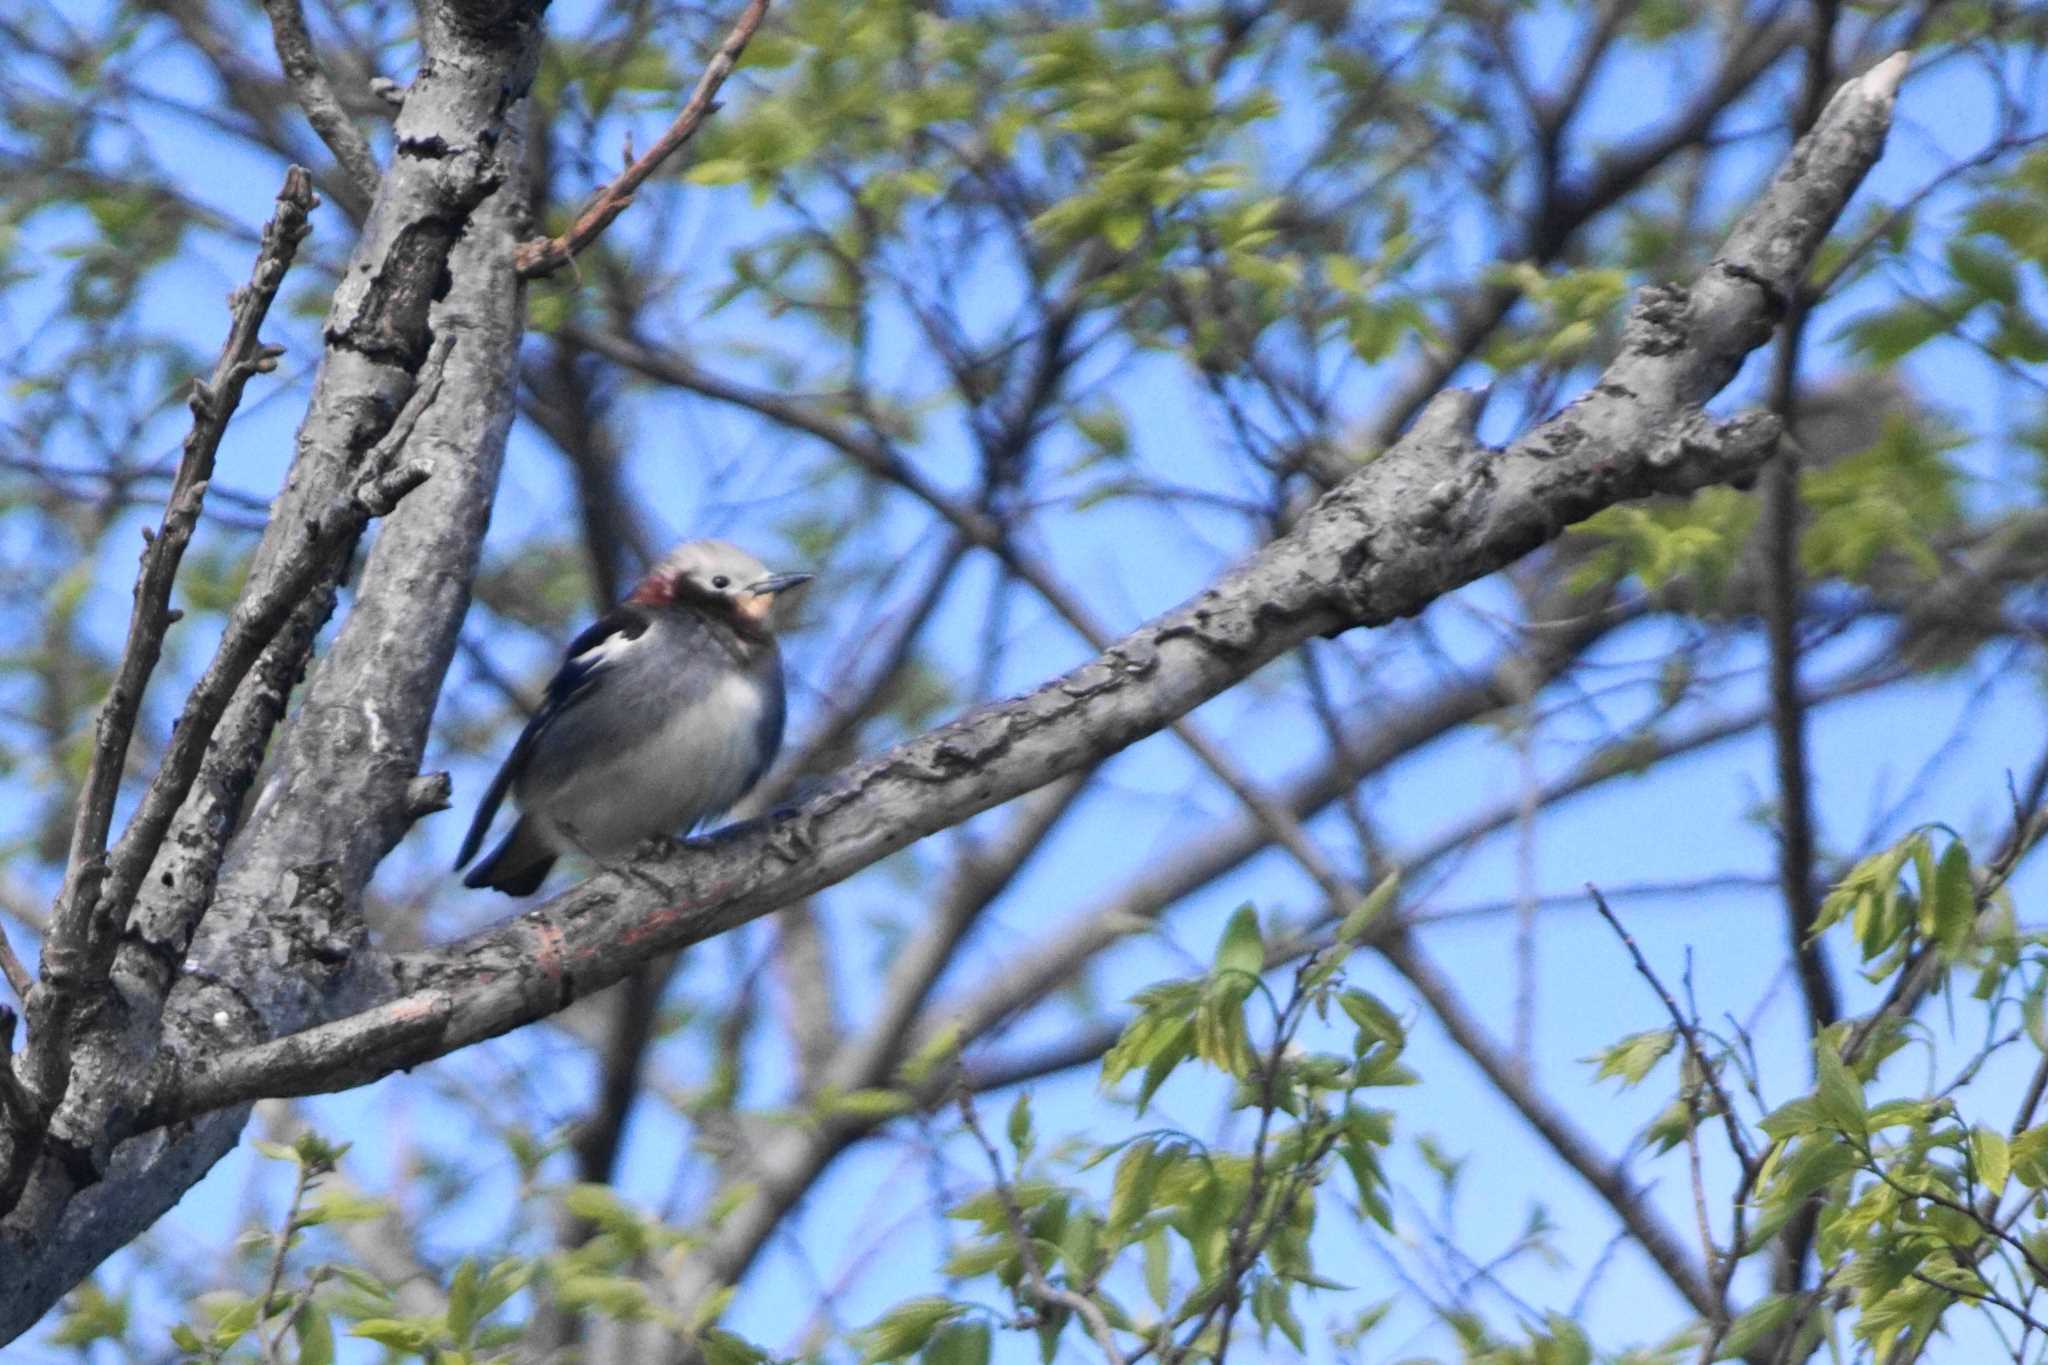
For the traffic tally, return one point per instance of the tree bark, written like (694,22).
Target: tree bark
(281,994)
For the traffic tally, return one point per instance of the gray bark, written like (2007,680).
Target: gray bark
(282,995)
(434,261)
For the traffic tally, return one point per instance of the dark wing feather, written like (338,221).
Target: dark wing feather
(768,729)
(574,680)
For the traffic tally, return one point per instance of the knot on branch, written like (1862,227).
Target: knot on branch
(426,794)
(1695,451)
(317,921)
(1658,324)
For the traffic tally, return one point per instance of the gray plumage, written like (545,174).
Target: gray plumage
(665,712)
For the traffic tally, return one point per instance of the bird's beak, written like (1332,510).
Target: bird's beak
(759,599)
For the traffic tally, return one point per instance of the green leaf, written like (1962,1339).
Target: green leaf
(1080,1243)
(1885,338)
(601,1205)
(1376,1022)
(867,1104)
(1954,899)
(959,1343)
(1748,1331)
(1795,1118)
(615,1296)
(364,1281)
(341,1206)
(1158,1267)
(1355,925)
(91,1316)
(1020,1125)
(400,1334)
(462,1300)
(315,1334)
(1989,273)
(236,1318)
(507,1278)
(1632,1057)
(1840,1094)
(1241,952)
(277,1151)
(1993,1155)
(720,1347)
(906,1328)
(723,170)
(1131,1191)
(1176,1047)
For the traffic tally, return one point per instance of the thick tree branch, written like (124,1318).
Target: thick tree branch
(98,889)
(435,257)
(79,917)
(1562,211)
(1430,515)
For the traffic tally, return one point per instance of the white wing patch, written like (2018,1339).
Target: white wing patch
(608,650)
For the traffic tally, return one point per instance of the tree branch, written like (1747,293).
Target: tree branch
(89,912)
(316,96)
(1425,518)
(545,255)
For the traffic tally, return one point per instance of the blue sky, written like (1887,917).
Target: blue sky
(718,474)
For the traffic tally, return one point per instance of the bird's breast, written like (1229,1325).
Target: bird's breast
(691,764)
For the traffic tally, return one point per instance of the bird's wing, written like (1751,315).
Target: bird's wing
(589,655)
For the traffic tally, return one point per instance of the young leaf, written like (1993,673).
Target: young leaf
(1020,1125)
(1355,924)
(1840,1094)
(1241,951)
(959,1343)
(1632,1057)
(721,1347)
(315,1336)
(1749,1331)
(904,1329)
(1993,1155)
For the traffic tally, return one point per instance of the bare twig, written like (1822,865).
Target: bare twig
(256,620)
(544,255)
(1738,1141)
(10,966)
(84,923)
(1571,1145)
(1037,1285)
(316,96)
(307,1173)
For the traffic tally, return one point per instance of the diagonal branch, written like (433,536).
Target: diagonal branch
(545,255)
(84,921)
(1434,513)
(316,95)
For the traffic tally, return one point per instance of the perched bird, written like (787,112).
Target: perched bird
(664,713)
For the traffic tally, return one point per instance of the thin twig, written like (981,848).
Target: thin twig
(1040,1288)
(10,966)
(1737,1139)
(545,255)
(270,1342)
(316,96)
(83,922)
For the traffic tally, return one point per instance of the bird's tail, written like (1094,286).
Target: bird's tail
(517,866)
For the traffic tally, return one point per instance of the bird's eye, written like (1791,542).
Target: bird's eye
(721,582)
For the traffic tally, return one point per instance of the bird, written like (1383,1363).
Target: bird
(665,712)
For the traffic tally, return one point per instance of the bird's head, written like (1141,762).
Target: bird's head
(719,579)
